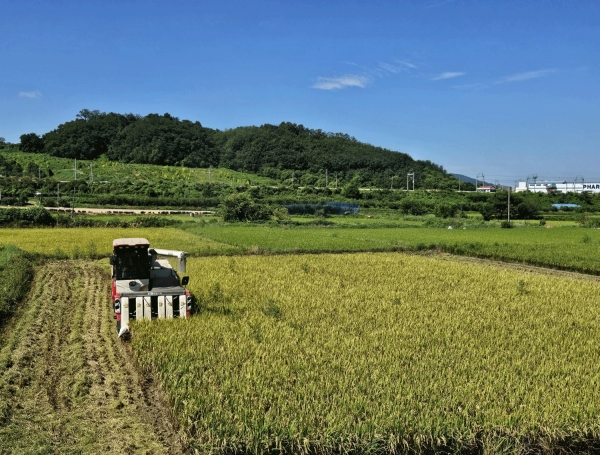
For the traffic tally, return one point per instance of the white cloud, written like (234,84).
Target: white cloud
(383,69)
(34,94)
(525,76)
(333,83)
(389,68)
(448,75)
(406,64)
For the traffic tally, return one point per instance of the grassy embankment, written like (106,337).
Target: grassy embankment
(380,353)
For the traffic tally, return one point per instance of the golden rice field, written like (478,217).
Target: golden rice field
(380,353)
(87,242)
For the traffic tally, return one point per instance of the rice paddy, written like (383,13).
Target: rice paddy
(379,352)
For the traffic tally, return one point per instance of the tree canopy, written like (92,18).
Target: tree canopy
(285,151)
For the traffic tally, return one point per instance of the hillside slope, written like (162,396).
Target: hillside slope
(286,152)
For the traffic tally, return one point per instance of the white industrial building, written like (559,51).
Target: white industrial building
(559,187)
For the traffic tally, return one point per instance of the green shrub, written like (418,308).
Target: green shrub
(241,207)
(281,214)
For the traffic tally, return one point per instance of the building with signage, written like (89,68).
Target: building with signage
(559,187)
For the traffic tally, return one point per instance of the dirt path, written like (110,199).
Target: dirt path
(97,211)
(67,385)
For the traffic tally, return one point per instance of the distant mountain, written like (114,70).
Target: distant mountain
(464,178)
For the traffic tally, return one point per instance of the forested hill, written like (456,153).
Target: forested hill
(283,151)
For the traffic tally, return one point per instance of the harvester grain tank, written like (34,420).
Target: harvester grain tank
(145,287)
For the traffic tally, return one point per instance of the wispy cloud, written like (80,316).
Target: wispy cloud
(335,83)
(525,76)
(519,77)
(364,75)
(390,68)
(448,75)
(34,94)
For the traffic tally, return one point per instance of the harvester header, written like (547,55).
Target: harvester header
(146,287)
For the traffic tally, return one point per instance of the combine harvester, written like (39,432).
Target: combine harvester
(144,287)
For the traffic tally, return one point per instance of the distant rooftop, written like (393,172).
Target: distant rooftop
(570,206)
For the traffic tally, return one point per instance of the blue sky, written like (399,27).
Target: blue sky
(507,89)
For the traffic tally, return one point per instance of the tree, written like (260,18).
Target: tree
(527,210)
(351,190)
(86,114)
(31,143)
(87,137)
(446,209)
(241,207)
(157,139)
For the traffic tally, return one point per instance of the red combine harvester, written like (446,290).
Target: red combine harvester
(145,287)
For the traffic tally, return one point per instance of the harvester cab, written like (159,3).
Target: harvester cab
(145,287)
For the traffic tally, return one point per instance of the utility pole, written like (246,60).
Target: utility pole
(326,179)
(336,180)
(411,174)
(75,169)
(39,173)
(210,174)
(392,184)
(509,188)
(57,193)
(477,179)
(73,205)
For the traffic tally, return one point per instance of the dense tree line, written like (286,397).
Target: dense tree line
(287,152)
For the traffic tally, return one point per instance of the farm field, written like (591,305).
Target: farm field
(567,248)
(112,171)
(94,242)
(379,353)
(324,353)
(67,385)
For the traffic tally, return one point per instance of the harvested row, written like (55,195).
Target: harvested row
(66,384)
(380,353)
